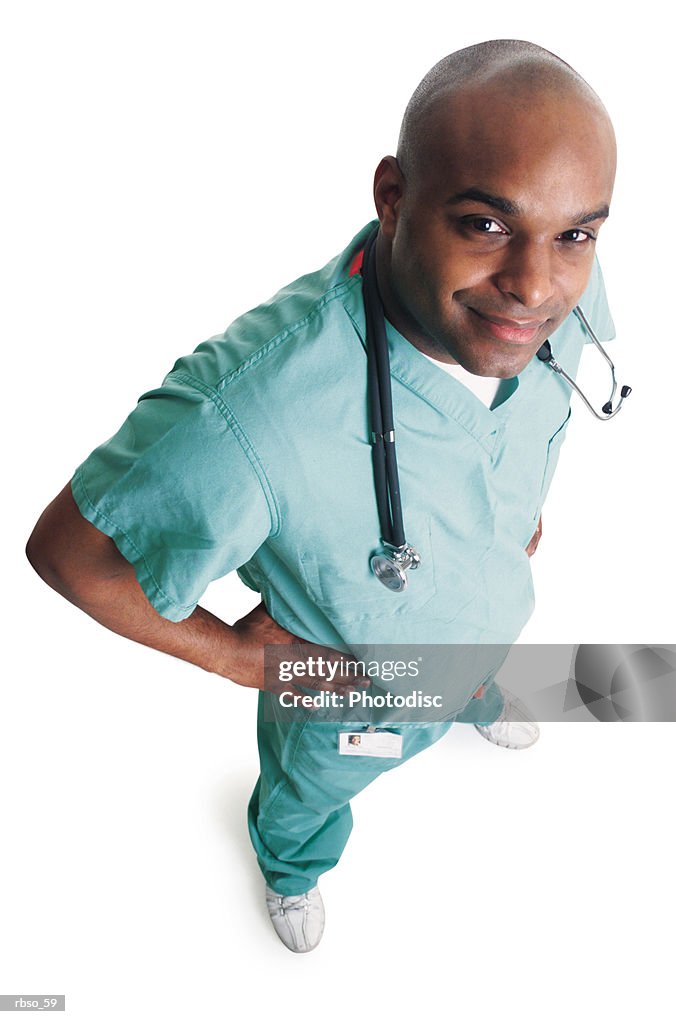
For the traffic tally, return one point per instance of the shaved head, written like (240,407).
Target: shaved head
(514,69)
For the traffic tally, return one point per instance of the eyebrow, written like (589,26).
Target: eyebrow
(512,209)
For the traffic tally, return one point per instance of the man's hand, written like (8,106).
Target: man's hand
(257,630)
(535,540)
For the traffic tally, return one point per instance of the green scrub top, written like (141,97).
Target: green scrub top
(254,455)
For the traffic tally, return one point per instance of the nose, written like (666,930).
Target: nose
(526,274)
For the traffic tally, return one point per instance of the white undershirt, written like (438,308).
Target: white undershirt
(485,388)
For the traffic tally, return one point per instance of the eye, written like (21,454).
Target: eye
(577,236)
(486,226)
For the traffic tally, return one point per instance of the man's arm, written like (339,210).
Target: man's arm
(535,540)
(84,566)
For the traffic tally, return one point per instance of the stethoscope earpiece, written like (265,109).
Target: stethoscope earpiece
(545,354)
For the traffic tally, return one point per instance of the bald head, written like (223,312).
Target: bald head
(509,72)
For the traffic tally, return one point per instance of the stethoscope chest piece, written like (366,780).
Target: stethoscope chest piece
(391,565)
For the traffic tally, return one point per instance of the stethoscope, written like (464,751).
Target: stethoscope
(392,561)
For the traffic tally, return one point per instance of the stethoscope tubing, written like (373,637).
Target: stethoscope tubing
(385,470)
(381,415)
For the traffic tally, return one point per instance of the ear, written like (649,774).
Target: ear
(388,191)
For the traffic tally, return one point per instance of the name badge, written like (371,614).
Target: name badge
(370,744)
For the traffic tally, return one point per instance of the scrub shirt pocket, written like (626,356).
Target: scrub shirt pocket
(553,449)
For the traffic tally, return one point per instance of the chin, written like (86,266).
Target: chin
(503,364)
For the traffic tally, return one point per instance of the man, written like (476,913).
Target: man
(255,452)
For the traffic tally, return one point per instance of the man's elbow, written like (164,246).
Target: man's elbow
(45,557)
(67,552)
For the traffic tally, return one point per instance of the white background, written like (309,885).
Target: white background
(166,167)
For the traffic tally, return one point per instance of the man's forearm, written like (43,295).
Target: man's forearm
(84,566)
(119,604)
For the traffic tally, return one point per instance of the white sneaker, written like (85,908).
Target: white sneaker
(298,920)
(514,728)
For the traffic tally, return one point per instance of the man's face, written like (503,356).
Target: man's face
(491,243)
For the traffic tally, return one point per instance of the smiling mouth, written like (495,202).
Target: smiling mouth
(516,332)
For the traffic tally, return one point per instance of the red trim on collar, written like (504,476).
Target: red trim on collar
(357,263)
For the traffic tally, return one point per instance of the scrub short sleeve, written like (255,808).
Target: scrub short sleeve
(180,491)
(594,304)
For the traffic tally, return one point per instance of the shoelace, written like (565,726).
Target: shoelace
(285,903)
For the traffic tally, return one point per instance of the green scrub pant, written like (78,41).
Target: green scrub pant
(299,813)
